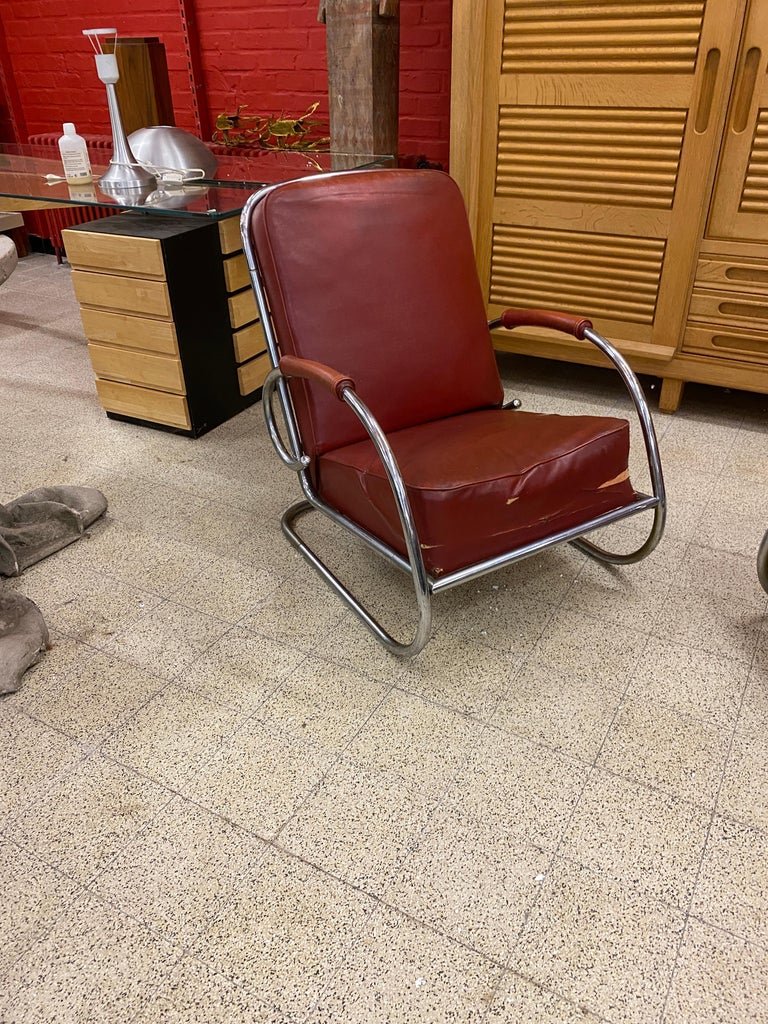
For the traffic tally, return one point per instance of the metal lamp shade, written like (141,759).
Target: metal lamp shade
(167,148)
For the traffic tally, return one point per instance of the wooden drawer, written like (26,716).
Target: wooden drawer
(118,254)
(229,235)
(249,342)
(727,343)
(236,273)
(144,404)
(242,308)
(124,294)
(724,272)
(253,374)
(129,331)
(734,309)
(124,364)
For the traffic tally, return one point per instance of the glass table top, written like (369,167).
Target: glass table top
(25,171)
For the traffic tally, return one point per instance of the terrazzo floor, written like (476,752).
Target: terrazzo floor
(220,802)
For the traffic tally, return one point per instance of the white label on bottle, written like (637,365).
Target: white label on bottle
(75,165)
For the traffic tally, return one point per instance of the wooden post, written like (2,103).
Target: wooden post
(363,42)
(144,90)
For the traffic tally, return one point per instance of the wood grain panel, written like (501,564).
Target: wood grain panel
(236,273)
(720,342)
(132,367)
(130,331)
(619,156)
(599,275)
(144,403)
(736,275)
(249,342)
(253,373)
(229,235)
(596,124)
(739,208)
(118,254)
(242,308)
(735,309)
(754,197)
(618,36)
(126,294)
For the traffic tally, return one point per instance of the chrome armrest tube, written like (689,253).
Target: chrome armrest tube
(641,407)
(413,546)
(297,462)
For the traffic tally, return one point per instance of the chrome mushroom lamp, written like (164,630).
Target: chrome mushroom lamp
(124,173)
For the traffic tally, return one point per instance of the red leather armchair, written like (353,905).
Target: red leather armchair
(385,371)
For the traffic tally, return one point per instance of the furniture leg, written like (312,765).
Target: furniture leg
(671,394)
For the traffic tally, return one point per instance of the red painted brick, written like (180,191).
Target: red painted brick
(269,55)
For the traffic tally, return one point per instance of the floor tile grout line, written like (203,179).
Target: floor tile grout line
(255,835)
(84,889)
(554,856)
(87,889)
(47,929)
(705,845)
(667,421)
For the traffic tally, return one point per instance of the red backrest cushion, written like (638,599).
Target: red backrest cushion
(373,273)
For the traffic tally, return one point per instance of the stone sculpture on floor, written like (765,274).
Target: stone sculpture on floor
(33,527)
(8,257)
(23,638)
(44,520)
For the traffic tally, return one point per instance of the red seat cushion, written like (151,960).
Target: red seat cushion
(483,483)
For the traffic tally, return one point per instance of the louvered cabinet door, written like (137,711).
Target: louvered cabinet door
(599,127)
(740,201)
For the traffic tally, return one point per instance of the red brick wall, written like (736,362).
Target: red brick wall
(268,54)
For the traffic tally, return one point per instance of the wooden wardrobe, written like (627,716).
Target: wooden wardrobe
(613,156)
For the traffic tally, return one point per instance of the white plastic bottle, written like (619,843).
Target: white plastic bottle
(74,156)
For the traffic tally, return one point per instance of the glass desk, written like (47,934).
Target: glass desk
(24,184)
(173,330)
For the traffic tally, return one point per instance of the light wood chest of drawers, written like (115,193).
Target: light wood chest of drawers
(172,325)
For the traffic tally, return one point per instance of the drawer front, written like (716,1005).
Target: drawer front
(734,309)
(735,275)
(129,331)
(236,273)
(242,308)
(143,403)
(118,254)
(143,368)
(249,342)
(229,235)
(122,294)
(253,374)
(727,343)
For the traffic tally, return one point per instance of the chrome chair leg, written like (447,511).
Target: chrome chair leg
(423,597)
(614,558)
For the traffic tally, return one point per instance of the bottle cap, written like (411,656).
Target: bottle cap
(69,128)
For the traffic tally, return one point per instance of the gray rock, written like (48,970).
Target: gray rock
(8,257)
(23,638)
(43,521)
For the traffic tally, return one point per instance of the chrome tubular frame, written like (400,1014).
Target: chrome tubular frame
(293,456)
(654,461)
